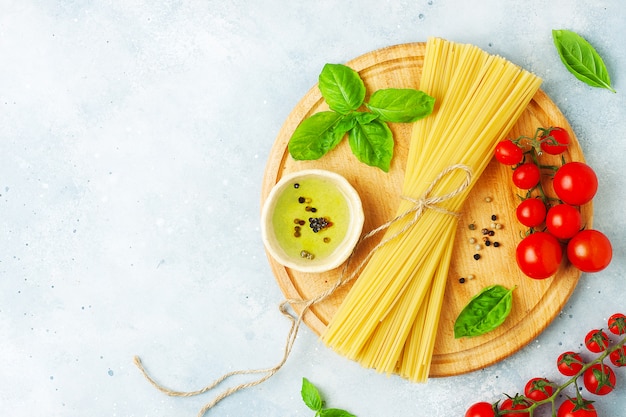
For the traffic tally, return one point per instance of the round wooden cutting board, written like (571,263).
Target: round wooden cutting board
(535,302)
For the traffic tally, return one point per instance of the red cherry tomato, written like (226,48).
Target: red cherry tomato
(555,141)
(575,183)
(539,255)
(569,363)
(508,153)
(599,379)
(590,251)
(526,176)
(538,389)
(596,341)
(563,221)
(517,403)
(618,356)
(531,212)
(481,409)
(573,407)
(617,323)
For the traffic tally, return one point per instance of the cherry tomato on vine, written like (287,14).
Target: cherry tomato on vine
(618,357)
(481,409)
(569,363)
(508,153)
(599,379)
(516,403)
(526,176)
(617,323)
(538,389)
(531,212)
(590,250)
(573,407)
(563,221)
(597,341)
(575,183)
(555,141)
(539,255)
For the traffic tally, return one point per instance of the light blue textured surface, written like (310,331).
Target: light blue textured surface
(133,141)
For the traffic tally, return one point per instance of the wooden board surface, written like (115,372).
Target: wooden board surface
(536,303)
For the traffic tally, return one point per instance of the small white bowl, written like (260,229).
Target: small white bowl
(300,261)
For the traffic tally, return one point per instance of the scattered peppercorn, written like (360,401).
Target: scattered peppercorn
(306,255)
(326,239)
(472,226)
(301,200)
(484,231)
(491,233)
(476,256)
(493,217)
(462,280)
(487,243)
(296,185)
(496,244)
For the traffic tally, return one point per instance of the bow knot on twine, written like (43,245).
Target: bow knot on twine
(426,201)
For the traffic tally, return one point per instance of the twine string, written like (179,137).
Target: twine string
(427,201)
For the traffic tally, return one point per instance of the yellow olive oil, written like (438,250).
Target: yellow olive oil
(311,218)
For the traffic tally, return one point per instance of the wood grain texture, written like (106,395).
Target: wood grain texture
(535,303)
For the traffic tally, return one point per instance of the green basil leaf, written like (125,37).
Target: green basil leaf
(346,123)
(364,117)
(310,395)
(341,87)
(485,312)
(315,136)
(372,144)
(581,59)
(335,412)
(401,105)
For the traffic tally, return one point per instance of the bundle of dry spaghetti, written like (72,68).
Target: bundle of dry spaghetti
(389,319)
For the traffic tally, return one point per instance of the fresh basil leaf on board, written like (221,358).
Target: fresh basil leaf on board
(400,105)
(315,136)
(369,136)
(581,59)
(372,143)
(485,312)
(341,87)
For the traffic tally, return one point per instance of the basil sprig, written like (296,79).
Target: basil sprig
(581,59)
(369,136)
(485,312)
(313,399)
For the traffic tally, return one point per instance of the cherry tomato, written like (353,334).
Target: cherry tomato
(617,323)
(558,135)
(596,341)
(618,356)
(516,403)
(508,153)
(573,407)
(569,363)
(531,212)
(599,379)
(538,389)
(539,255)
(526,176)
(590,251)
(575,183)
(481,409)
(563,221)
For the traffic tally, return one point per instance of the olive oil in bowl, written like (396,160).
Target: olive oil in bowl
(312,220)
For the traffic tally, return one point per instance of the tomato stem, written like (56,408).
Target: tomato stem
(573,380)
